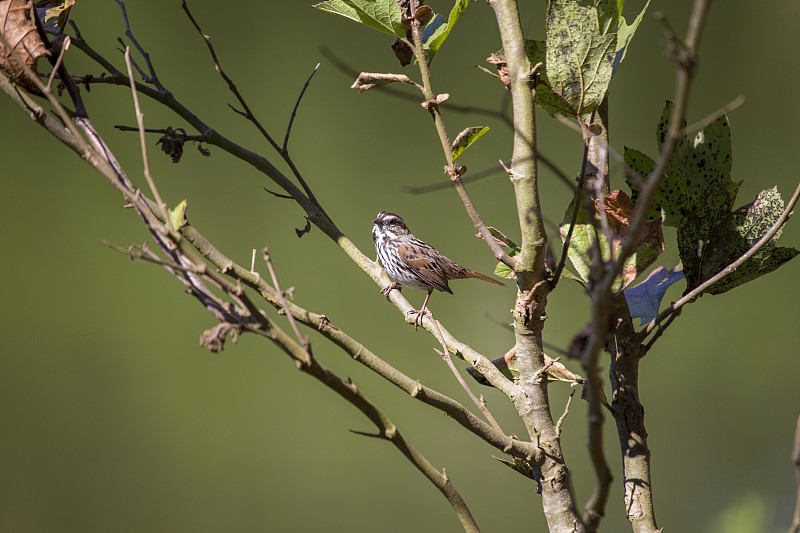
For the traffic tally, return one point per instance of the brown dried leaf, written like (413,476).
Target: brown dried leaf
(19,32)
(423,14)
(649,241)
(502,69)
(440,98)
(402,52)
(371,80)
(306,229)
(214,338)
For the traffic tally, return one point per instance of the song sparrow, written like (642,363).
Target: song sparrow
(413,263)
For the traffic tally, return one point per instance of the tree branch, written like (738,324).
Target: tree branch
(455,176)
(529,311)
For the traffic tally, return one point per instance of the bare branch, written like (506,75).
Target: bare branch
(386,428)
(303,340)
(560,421)
(151,77)
(529,311)
(450,168)
(162,207)
(248,114)
(479,403)
(285,146)
(63,49)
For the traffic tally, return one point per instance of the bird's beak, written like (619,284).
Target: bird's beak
(375,221)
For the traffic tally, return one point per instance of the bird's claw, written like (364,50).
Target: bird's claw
(389,288)
(420,314)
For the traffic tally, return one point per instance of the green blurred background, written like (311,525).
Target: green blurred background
(114,419)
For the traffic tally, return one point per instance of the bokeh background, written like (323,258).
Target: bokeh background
(114,419)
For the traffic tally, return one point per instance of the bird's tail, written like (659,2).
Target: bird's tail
(477,275)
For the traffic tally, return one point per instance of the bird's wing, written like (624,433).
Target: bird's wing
(422,258)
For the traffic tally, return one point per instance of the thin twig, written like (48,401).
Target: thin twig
(724,110)
(480,403)
(413,97)
(250,116)
(152,77)
(285,147)
(231,85)
(64,48)
(560,421)
(697,291)
(141,252)
(660,331)
(164,131)
(303,340)
(491,171)
(441,130)
(577,198)
(162,207)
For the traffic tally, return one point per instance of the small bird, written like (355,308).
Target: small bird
(411,262)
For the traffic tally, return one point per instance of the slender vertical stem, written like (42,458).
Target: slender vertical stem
(529,312)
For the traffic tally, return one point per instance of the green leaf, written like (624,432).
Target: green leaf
(697,196)
(545,97)
(611,20)
(502,270)
(578,58)
(585,44)
(708,252)
(465,139)
(338,7)
(437,39)
(625,34)
(177,216)
(502,239)
(381,15)
(697,180)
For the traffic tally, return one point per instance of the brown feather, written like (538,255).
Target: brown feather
(426,266)
(478,275)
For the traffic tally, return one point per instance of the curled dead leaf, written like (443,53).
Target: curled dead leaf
(24,47)
(370,80)
(214,338)
(440,98)
(423,14)
(306,229)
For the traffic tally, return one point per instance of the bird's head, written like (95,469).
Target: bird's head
(388,225)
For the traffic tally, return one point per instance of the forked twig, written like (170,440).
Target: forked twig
(152,77)
(247,113)
(303,340)
(480,403)
(162,207)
